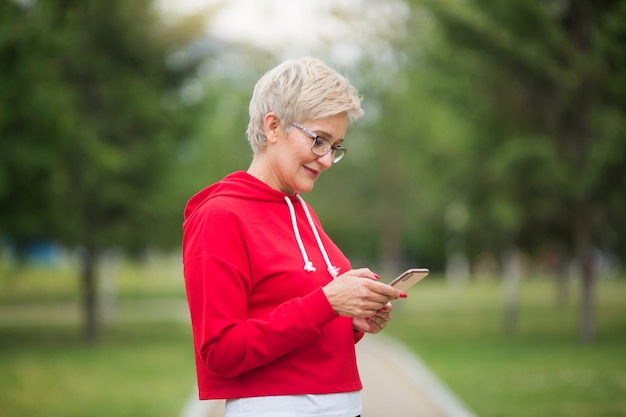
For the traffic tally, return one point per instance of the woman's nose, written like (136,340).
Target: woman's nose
(327,159)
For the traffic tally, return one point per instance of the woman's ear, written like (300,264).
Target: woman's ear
(271,125)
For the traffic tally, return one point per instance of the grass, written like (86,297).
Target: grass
(541,369)
(143,365)
(144,362)
(136,370)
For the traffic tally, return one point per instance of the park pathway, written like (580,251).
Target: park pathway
(396,384)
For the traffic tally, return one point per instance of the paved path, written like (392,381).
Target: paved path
(396,384)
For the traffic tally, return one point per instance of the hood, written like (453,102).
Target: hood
(239,184)
(242,185)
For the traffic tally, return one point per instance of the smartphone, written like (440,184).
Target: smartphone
(409,278)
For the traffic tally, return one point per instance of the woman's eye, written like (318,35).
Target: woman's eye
(319,143)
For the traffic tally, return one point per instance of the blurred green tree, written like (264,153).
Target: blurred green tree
(91,116)
(543,88)
(383,204)
(219,145)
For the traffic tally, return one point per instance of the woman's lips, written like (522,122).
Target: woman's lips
(312,172)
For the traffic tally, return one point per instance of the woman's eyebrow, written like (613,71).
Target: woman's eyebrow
(326,136)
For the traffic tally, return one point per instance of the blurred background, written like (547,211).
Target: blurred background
(491,151)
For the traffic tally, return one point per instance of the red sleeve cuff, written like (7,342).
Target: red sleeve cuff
(317,308)
(358,336)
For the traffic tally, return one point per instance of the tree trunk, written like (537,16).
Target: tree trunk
(88,259)
(585,257)
(390,216)
(562,279)
(512,276)
(458,268)
(390,241)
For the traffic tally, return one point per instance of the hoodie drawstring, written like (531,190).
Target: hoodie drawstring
(308,265)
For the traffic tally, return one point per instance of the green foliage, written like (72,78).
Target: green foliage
(470,106)
(217,143)
(91,121)
(94,114)
(511,109)
(536,82)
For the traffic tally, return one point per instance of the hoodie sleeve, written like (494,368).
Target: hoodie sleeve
(218,283)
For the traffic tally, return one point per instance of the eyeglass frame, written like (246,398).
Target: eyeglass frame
(333,148)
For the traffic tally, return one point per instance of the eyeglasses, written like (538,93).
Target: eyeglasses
(322,146)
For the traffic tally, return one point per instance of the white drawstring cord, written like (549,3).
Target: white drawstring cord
(332,270)
(308,265)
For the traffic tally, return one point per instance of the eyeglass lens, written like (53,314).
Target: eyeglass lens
(321,146)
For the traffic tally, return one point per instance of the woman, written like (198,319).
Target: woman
(275,306)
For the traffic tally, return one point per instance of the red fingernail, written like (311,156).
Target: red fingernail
(403,295)
(376,276)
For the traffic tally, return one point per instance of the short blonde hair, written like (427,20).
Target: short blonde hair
(300,90)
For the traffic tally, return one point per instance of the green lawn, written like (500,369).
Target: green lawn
(144,364)
(137,370)
(540,370)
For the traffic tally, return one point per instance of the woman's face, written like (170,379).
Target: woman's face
(294,166)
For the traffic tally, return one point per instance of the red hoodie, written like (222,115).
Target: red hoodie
(254,271)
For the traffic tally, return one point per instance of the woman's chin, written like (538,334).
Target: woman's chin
(306,186)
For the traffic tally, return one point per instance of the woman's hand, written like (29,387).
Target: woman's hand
(357,294)
(374,324)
